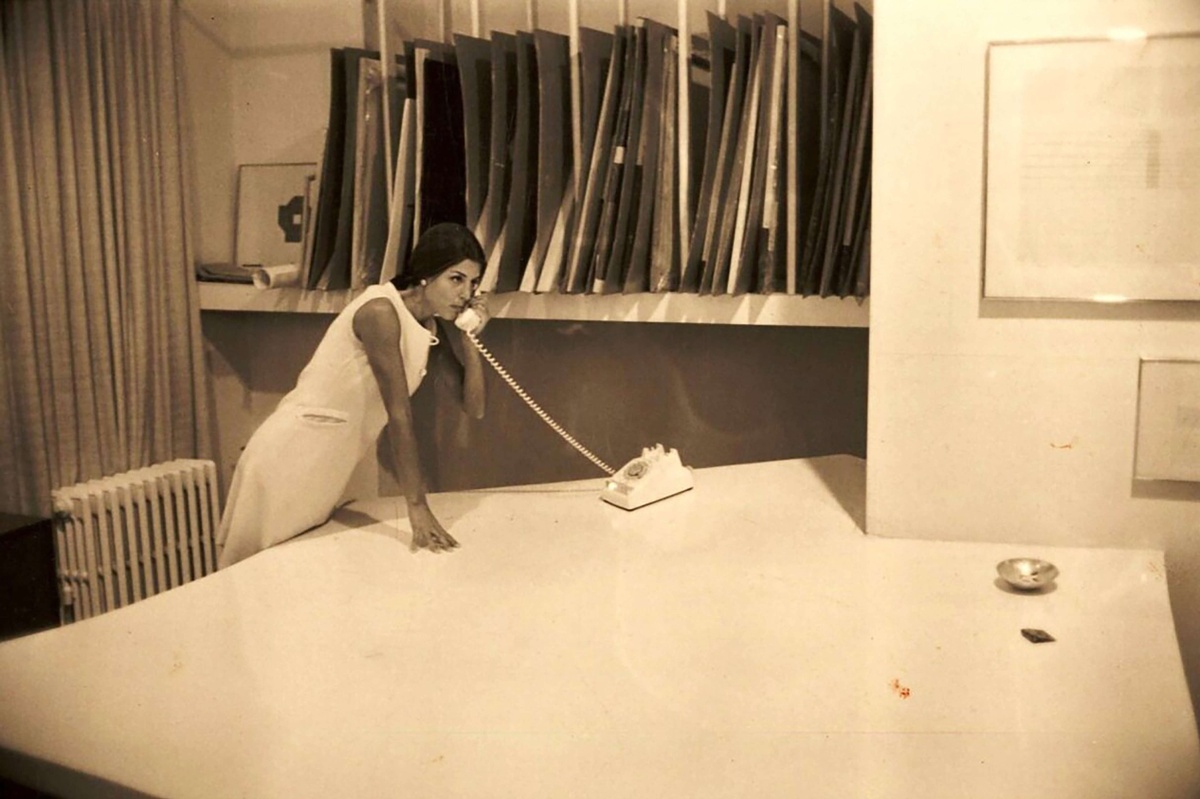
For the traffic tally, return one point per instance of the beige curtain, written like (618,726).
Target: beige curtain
(102,366)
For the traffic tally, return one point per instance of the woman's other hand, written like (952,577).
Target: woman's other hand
(428,532)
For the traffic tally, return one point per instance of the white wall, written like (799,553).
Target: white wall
(425,18)
(208,85)
(256,74)
(989,420)
(257,80)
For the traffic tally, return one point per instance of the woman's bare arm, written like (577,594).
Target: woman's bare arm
(474,395)
(378,329)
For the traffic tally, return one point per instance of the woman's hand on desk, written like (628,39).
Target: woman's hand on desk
(428,532)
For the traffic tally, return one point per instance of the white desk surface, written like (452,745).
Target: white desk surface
(743,639)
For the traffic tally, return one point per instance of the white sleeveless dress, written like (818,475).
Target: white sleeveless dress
(297,464)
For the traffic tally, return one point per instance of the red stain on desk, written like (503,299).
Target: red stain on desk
(901,691)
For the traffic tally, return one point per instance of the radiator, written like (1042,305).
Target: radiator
(123,538)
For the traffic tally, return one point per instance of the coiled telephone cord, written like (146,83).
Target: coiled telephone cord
(555,426)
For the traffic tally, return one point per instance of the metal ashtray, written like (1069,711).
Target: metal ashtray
(1027,573)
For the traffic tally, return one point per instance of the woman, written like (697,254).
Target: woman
(297,464)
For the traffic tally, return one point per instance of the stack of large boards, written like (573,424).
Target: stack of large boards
(587,199)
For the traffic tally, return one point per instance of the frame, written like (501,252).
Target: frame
(271,213)
(1168,424)
(1092,182)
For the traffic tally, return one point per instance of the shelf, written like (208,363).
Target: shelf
(747,309)
(244,297)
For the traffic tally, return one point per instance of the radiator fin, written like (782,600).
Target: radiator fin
(124,538)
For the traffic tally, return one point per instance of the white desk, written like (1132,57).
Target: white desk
(744,639)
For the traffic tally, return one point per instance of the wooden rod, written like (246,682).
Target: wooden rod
(576,98)
(826,30)
(475,18)
(385,62)
(683,127)
(793,151)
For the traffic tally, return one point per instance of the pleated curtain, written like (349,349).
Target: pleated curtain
(102,368)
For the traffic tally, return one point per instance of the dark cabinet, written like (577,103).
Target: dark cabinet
(28,587)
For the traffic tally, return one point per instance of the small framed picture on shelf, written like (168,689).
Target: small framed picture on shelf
(272,213)
(1091,190)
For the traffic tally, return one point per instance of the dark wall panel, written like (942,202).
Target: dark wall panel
(719,394)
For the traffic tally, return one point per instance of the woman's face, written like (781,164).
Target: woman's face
(449,292)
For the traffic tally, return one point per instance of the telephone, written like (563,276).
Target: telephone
(655,474)
(468,320)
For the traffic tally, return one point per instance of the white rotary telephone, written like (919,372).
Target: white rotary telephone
(656,474)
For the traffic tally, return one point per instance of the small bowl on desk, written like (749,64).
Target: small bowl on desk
(1027,574)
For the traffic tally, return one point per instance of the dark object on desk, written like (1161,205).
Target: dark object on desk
(28,588)
(1037,636)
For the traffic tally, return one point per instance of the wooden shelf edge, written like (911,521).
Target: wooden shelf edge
(247,298)
(747,309)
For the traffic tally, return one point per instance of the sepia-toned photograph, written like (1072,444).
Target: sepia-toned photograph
(621,399)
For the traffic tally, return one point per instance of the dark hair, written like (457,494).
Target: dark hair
(439,248)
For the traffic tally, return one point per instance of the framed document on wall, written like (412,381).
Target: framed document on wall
(1092,156)
(1168,422)
(272,212)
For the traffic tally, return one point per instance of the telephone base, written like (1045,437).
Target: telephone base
(655,475)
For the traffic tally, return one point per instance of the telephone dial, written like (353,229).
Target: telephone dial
(656,474)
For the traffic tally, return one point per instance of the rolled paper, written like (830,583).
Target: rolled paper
(277,276)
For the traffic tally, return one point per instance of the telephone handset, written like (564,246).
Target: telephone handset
(656,474)
(468,320)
